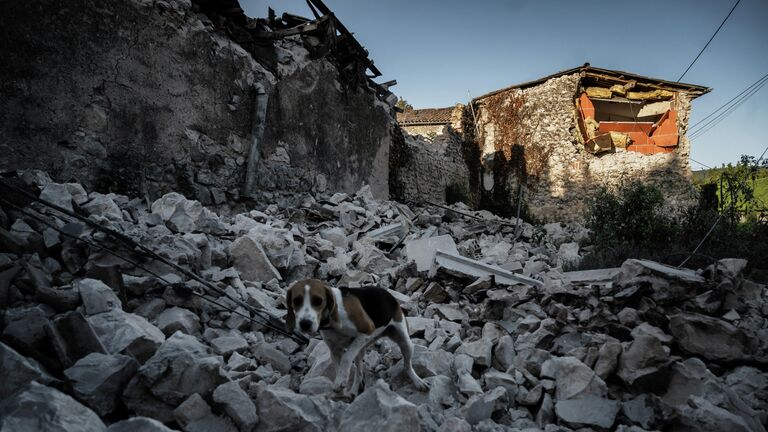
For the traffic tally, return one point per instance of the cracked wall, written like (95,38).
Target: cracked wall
(144,97)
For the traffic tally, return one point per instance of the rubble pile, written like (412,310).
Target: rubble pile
(504,337)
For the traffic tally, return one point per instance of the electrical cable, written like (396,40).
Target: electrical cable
(166,282)
(709,41)
(267,317)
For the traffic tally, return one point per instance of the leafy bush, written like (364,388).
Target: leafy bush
(634,217)
(633,224)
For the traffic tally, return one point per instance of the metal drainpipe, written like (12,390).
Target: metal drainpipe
(257,132)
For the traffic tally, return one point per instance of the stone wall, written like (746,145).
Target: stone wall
(560,175)
(436,169)
(427,131)
(146,97)
(321,137)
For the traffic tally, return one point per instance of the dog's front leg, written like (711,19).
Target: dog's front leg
(349,356)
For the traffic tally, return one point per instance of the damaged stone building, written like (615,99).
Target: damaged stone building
(556,140)
(193,96)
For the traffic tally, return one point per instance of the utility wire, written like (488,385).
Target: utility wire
(719,217)
(151,254)
(709,41)
(693,126)
(165,281)
(701,130)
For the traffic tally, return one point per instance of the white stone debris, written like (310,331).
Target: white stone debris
(506,339)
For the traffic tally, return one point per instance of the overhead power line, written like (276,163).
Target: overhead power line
(727,103)
(702,129)
(709,41)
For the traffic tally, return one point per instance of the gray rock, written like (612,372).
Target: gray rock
(442,392)
(434,293)
(481,407)
(642,410)
(504,353)
(183,216)
(607,359)
(62,298)
(194,415)
(316,385)
(711,338)
(573,379)
(493,378)
(378,408)
(587,411)
(151,309)
(669,284)
(79,196)
(451,312)
(531,397)
(138,424)
(628,317)
(98,379)
(139,400)
(642,364)
(73,338)
(289,411)
(57,194)
(335,235)
(237,405)
(751,384)
(16,371)
(43,409)
(691,379)
(103,205)
(569,254)
(546,413)
(645,329)
(480,351)
(455,424)
(229,343)
(239,363)
(127,333)
(430,363)
(266,353)
(178,319)
(251,261)
(96,296)
(699,414)
(422,251)
(25,327)
(180,367)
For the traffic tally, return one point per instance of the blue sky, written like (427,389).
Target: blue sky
(439,50)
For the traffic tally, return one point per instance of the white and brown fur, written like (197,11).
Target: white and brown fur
(349,321)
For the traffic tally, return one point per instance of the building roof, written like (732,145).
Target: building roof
(613,76)
(427,116)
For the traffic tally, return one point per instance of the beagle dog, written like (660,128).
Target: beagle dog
(349,320)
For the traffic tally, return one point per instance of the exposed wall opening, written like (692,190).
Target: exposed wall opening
(614,119)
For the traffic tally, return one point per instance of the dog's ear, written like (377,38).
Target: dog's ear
(290,318)
(330,302)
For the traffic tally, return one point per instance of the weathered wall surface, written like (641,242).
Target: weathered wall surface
(335,139)
(561,175)
(427,131)
(132,97)
(145,97)
(436,169)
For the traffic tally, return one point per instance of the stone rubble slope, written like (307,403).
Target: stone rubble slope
(90,342)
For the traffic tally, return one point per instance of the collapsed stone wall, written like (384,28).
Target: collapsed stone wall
(436,170)
(145,97)
(558,173)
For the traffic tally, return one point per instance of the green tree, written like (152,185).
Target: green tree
(403,104)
